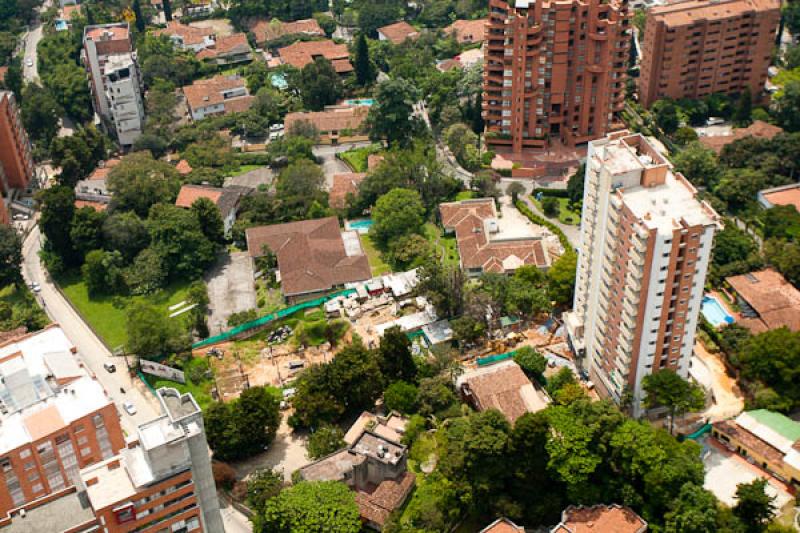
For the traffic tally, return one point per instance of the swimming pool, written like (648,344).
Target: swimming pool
(360,101)
(715,312)
(61,25)
(278,81)
(360,225)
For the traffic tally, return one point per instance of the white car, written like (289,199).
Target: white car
(29,62)
(35,287)
(129,408)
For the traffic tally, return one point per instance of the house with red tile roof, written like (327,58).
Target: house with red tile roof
(468,31)
(758,129)
(187,37)
(227,200)
(314,256)
(483,243)
(183,167)
(219,95)
(265,31)
(344,184)
(502,525)
(781,195)
(600,518)
(92,191)
(398,32)
(302,53)
(336,124)
(767,301)
(502,386)
(227,50)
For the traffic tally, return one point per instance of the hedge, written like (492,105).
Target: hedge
(254,158)
(558,193)
(536,219)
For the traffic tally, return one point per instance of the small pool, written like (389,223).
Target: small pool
(360,101)
(715,312)
(360,225)
(278,80)
(61,25)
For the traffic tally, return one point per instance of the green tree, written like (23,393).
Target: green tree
(435,395)
(140,20)
(531,361)
(299,187)
(86,230)
(401,396)
(147,273)
(139,181)
(754,507)
(786,104)
(397,213)
(394,355)
(57,207)
(391,116)
(785,257)
(732,244)
(575,184)
(151,334)
(698,164)
(773,357)
(126,233)
(176,235)
(311,507)
(10,256)
(744,107)
(210,220)
(319,84)
(78,154)
(245,426)
(262,485)
(550,206)
(365,71)
(693,511)
(467,330)
(516,189)
(561,278)
(40,114)
(373,15)
(463,142)
(103,272)
(666,388)
(324,441)
(666,115)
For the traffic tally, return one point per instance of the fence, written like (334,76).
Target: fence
(491,359)
(250,328)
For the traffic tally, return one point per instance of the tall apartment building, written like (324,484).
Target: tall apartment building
(645,247)
(554,71)
(15,148)
(65,464)
(115,81)
(55,418)
(695,48)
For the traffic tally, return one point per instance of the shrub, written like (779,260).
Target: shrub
(224,475)
(402,397)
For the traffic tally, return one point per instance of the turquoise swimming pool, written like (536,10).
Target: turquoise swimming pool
(715,312)
(278,81)
(360,225)
(61,25)
(360,101)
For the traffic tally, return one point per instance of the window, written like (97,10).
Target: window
(25,453)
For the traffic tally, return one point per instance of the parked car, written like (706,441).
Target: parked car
(110,367)
(29,62)
(35,287)
(129,408)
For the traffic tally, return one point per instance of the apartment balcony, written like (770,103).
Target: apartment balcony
(596,68)
(598,36)
(637,257)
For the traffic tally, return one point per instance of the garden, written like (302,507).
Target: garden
(357,157)
(557,207)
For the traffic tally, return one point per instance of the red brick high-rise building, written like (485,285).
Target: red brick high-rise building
(554,72)
(15,149)
(697,48)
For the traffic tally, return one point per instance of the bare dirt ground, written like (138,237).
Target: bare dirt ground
(287,453)
(221,27)
(728,399)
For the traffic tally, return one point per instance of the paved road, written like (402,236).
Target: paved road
(330,164)
(90,349)
(32,38)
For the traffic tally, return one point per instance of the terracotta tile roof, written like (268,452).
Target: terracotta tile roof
(774,299)
(110,32)
(750,441)
(468,219)
(758,129)
(350,118)
(190,193)
(684,13)
(302,53)
(311,255)
(503,525)
(97,206)
(785,195)
(189,34)
(373,160)
(600,519)
(468,31)
(230,45)
(502,386)
(376,507)
(70,10)
(269,30)
(183,167)
(399,32)
(101,172)
(344,184)
(204,93)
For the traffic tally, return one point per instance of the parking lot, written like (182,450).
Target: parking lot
(230,289)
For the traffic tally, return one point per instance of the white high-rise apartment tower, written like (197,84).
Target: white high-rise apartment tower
(645,249)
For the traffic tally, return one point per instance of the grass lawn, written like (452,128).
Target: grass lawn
(465,195)
(108,314)
(357,157)
(201,390)
(376,263)
(246,168)
(11,295)
(268,299)
(434,233)
(565,214)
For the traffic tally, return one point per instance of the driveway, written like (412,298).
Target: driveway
(330,164)
(230,289)
(287,453)
(573,233)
